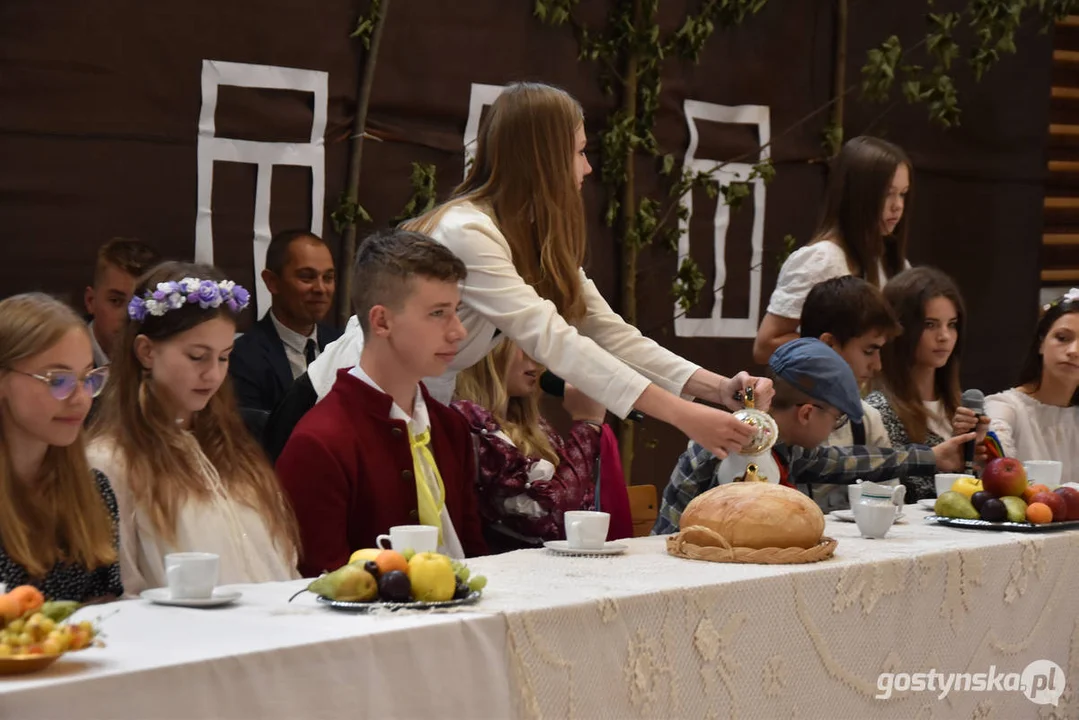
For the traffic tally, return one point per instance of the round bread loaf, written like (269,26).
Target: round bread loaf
(757,515)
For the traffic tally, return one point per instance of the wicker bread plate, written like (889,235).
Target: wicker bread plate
(701,543)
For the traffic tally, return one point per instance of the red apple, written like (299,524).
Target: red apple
(1055,502)
(1071,499)
(1004,476)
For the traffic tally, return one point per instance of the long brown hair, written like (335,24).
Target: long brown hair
(857,189)
(61,516)
(162,469)
(485,384)
(908,293)
(524,173)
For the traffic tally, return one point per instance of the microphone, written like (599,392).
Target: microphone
(556,387)
(972,400)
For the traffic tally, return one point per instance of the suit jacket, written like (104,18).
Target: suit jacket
(279,424)
(348,470)
(259,368)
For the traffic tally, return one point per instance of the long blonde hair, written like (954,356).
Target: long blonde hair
(485,384)
(524,173)
(61,516)
(163,468)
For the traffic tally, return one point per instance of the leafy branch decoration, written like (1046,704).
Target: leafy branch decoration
(630,50)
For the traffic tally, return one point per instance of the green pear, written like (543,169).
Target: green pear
(351,583)
(955,505)
(1017,508)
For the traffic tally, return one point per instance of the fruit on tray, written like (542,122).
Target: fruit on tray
(1039,513)
(390,560)
(978,499)
(1017,508)
(967,486)
(1033,490)
(1056,503)
(350,583)
(432,577)
(395,586)
(38,630)
(1004,476)
(993,510)
(390,577)
(953,504)
(1071,500)
(362,556)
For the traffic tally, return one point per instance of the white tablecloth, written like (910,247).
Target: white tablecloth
(643,635)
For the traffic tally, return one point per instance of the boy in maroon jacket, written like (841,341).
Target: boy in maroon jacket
(378,451)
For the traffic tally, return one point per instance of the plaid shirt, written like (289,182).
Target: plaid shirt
(697,471)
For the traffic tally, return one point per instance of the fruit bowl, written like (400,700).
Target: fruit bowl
(397,581)
(26,664)
(366,607)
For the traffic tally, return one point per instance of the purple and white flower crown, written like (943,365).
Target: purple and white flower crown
(1068,297)
(174,295)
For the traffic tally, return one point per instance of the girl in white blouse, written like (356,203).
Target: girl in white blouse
(187,474)
(518,223)
(1039,419)
(862,232)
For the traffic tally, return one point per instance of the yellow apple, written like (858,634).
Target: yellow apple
(967,486)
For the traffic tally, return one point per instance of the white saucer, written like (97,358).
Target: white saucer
(562,548)
(848,516)
(220,597)
(928,503)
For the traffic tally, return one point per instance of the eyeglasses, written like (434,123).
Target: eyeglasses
(62,383)
(840,419)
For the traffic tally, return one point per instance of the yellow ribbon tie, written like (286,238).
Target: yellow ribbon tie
(430,509)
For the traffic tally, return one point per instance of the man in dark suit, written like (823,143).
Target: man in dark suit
(300,277)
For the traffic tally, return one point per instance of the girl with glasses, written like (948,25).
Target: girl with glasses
(187,473)
(58,518)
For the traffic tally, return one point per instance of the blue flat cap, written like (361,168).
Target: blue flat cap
(818,371)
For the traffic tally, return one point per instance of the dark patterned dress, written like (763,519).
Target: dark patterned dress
(918,488)
(518,511)
(73,582)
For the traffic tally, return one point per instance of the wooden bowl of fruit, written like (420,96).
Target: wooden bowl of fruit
(389,580)
(34,635)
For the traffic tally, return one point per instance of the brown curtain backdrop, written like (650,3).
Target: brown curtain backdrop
(99,108)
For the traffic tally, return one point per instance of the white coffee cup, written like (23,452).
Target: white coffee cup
(586,529)
(874,521)
(191,575)
(944,481)
(854,492)
(1046,472)
(419,538)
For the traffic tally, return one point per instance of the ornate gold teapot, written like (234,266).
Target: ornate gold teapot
(765,430)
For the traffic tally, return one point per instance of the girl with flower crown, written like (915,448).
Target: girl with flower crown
(1039,418)
(187,474)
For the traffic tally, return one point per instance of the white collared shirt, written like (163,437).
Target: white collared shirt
(294,344)
(100,358)
(417,424)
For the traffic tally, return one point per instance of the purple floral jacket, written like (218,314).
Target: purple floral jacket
(504,474)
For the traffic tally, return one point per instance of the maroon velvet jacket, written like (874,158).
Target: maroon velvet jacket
(504,473)
(348,470)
